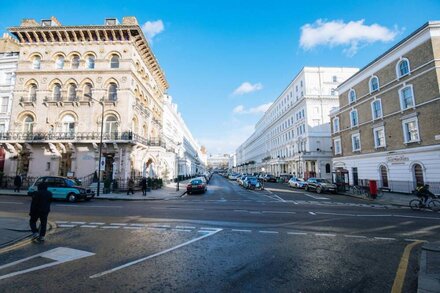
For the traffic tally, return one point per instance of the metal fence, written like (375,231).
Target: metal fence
(402,186)
(7,182)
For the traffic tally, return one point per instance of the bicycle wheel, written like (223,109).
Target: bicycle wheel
(434,205)
(415,204)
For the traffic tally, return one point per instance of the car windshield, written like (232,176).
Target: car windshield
(71,183)
(196,182)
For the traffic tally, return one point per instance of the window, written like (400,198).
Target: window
(75,62)
(68,124)
(57,92)
(28,124)
(87,91)
(410,130)
(354,118)
(72,92)
(335,78)
(338,148)
(33,92)
(376,109)
(59,63)
(90,62)
(403,68)
(5,104)
(114,61)
(111,124)
(379,137)
(351,96)
(374,84)
(384,176)
(36,62)
(418,174)
(327,168)
(336,125)
(406,97)
(333,92)
(2,128)
(112,92)
(356,142)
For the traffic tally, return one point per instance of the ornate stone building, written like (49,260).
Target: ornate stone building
(68,77)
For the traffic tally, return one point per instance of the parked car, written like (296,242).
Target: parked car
(297,182)
(197,185)
(269,178)
(284,178)
(241,179)
(251,182)
(63,188)
(233,177)
(320,185)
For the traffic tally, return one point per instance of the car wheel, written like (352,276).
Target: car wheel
(318,190)
(306,188)
(71,197)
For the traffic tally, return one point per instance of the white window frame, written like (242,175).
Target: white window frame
(349,96)
(398,74)
(336,129)
(351,118)
(401,97)
(3,105)
(358,135)
(405,134)
(337,141)
(370,85)
(375,130)
(372,109)
(59,62)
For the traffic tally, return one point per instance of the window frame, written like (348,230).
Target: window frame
(357,118)
(114,65)
(59,64)
(87,63)
(353,136)
(349,96)
(375,136)
(373,110)
(410,86)
(398,72)
(335,142)
(405,133)
(334,124)
(34,60)
(370,85)
(73,64)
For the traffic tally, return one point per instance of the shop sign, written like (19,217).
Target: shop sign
(399,159)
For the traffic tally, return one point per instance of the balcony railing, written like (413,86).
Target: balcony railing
(126,136)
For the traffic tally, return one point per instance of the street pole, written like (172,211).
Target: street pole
(177,157)
(100,148)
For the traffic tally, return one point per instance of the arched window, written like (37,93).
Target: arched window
(403,68)
(90,62)
(384,176)
(59,63)
(114,61)
(28,124)
(57,92)
(351,96)
(68,124)
(145,131)
(87,91)
(72,92)
(75,62)
(327,168)
(33,92)
(36,62)
(418,174)
(134,125)
(374,84)
(112,92)
(111,124)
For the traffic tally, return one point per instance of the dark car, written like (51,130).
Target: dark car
(320,185)
(63,188)
(196,185)
(270,178)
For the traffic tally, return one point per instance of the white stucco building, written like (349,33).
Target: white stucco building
(293,136)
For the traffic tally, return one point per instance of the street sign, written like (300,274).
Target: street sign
(102,162)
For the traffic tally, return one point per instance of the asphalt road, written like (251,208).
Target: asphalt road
(229,239)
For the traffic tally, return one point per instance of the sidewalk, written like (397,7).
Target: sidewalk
(13,230)
(429,274)
(388,198)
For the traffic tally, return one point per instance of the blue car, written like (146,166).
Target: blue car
(63,188)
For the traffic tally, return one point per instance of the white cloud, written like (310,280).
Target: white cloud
(246,88)
(352,34)
(152,28)
(240,109)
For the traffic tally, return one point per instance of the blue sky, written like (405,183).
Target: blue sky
(208,49)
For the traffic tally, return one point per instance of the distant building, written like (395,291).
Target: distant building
(387,125)
(9,50)
(218,161)
(294,137)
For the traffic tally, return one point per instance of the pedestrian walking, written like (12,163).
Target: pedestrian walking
(17,183)
(144,186)
(130,186)
(40,208)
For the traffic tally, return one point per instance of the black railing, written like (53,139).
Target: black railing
(401,186)
(127,136)
(28,99)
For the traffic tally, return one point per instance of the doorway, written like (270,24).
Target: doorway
(65,164)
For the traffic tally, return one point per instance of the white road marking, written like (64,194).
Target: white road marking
(209,228)
(296,233)
(325,234)
(132,228)
(153,255)
(138,225)
(96,223)
(336,214)
(118,224)
(85,206)
(384,238)
(88,226)
(156,229)
(65,226)
(111,227)
(61,222)
(312,213)
(160,226)
(277,212)
(268,232)
(240,211)
(316,196)
(185,227)
(180,230)
(374,215)
(59,255)
(355,236)
(412,240)
(11,202)
(241,230)
(78,223)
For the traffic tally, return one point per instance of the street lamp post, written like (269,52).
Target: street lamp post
(100,143)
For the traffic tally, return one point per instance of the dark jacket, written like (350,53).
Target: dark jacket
(40,204)
(144,183)
(17,180)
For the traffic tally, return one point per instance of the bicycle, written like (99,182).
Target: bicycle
(432,204)
(358,190)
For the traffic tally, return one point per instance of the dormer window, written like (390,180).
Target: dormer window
(46,22)
(111,21)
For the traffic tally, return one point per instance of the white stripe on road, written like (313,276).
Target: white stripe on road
(180,230)
(132,228)
(312,213)
(111,227)
(138,225)
(241,230)
(118,224)
(156,229)
(96,223)
(85,206)
(185,227)
(384,238)
(296,233)
(61,222)
(88,226)
(316,197)
(268,232)
(355,236)
(78,223)
(153,255)
(325,234)
(11,202)
(65,226)
(277,212)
